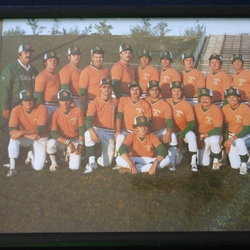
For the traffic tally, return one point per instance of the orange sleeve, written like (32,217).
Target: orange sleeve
(84,79)
(43,115)
(116,72)
(40,82)
(65,75)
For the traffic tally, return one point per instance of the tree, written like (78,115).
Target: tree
(87,30)
(195,31)
(103,28)
(14,32)
(161,29)
(36,29)
(55,28)
(144,30)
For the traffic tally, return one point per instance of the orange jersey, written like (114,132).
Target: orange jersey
(241,81)
(166,77)
(238,118)
(103,112)
(130,110)
(67,125)
(146,147)
(90,79)
(208,119)
(70,75)
(124,73)
(143,76)
(192,81)
(182,114)
(218,83)
(161,112)
(20,119)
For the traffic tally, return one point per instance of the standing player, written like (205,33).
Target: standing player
(142,151)
(184,121)
(237,118)
(47,83)
(100,122)
(91,76)
(146,72)
(16,77)
(168,74)
(217,80)
(70,73)
(192,79)
(241,78)
(67,131)
(129,107)
(162,122)
(27,128)
(210,120)
(122,73)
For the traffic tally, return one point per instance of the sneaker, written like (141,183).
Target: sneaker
(172,167)
(124,170)
(90,167)
(116,167)
(194,167)
(11,172)
(53,167)
(7,165)
(29,157)
(216,166)
(243,168)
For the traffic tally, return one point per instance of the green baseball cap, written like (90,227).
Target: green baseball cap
(64,95)
(145,52)
(206,92)
(74,50)
(134,84)
(237,57)
(187,54)
(25,47)
(216,56)
(105,81)
(166,54)
(97,50)
(153,83)
(176,85)
(50,54)
(27,94)
(141,121)
(231,91)
(124,47)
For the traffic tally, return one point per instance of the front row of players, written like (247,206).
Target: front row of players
(173,123)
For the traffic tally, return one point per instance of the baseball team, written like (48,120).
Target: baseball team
(143,119)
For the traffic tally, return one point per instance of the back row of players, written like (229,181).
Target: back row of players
(108,120)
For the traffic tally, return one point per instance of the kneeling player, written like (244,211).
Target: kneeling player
(67,131)
(137,153)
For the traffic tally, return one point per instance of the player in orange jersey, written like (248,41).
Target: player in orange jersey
(237,118)
(217,80)
(122,73)
(209,120)
(27,128)
(168,74)
(192,78)
(162,122)
(241,77)
(47,83)
(146,72)
(91,76)
(129,107)
(142,151)
(67,131)
(184,121)
(70,74)
(100,124)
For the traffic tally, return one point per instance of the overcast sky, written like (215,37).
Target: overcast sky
(122,25)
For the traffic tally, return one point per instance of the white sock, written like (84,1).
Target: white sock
(12,163)
(92,159)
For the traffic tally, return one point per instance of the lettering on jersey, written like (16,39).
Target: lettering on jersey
(241,82)
(74,121)
(191,79)
(238,118)
(166,78)
(145,76)
(112,107)
(156,112)
(26,78)
(179,113)
(35,119)
(216,81)
(3,78)
(139,111)
(209,120)
(148,148)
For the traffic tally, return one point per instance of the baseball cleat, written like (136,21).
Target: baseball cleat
(194,167)
(124,170)
(29,157)
(116,167)
(216,166)
(7,165)
(53,167)
(172,167)
(11,172)
(243,168)
(90,167)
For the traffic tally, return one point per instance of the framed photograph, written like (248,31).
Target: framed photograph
(105,207)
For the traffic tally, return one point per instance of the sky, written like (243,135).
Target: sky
(214,26)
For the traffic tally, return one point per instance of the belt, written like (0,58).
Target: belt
(105,129)
(51,103)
